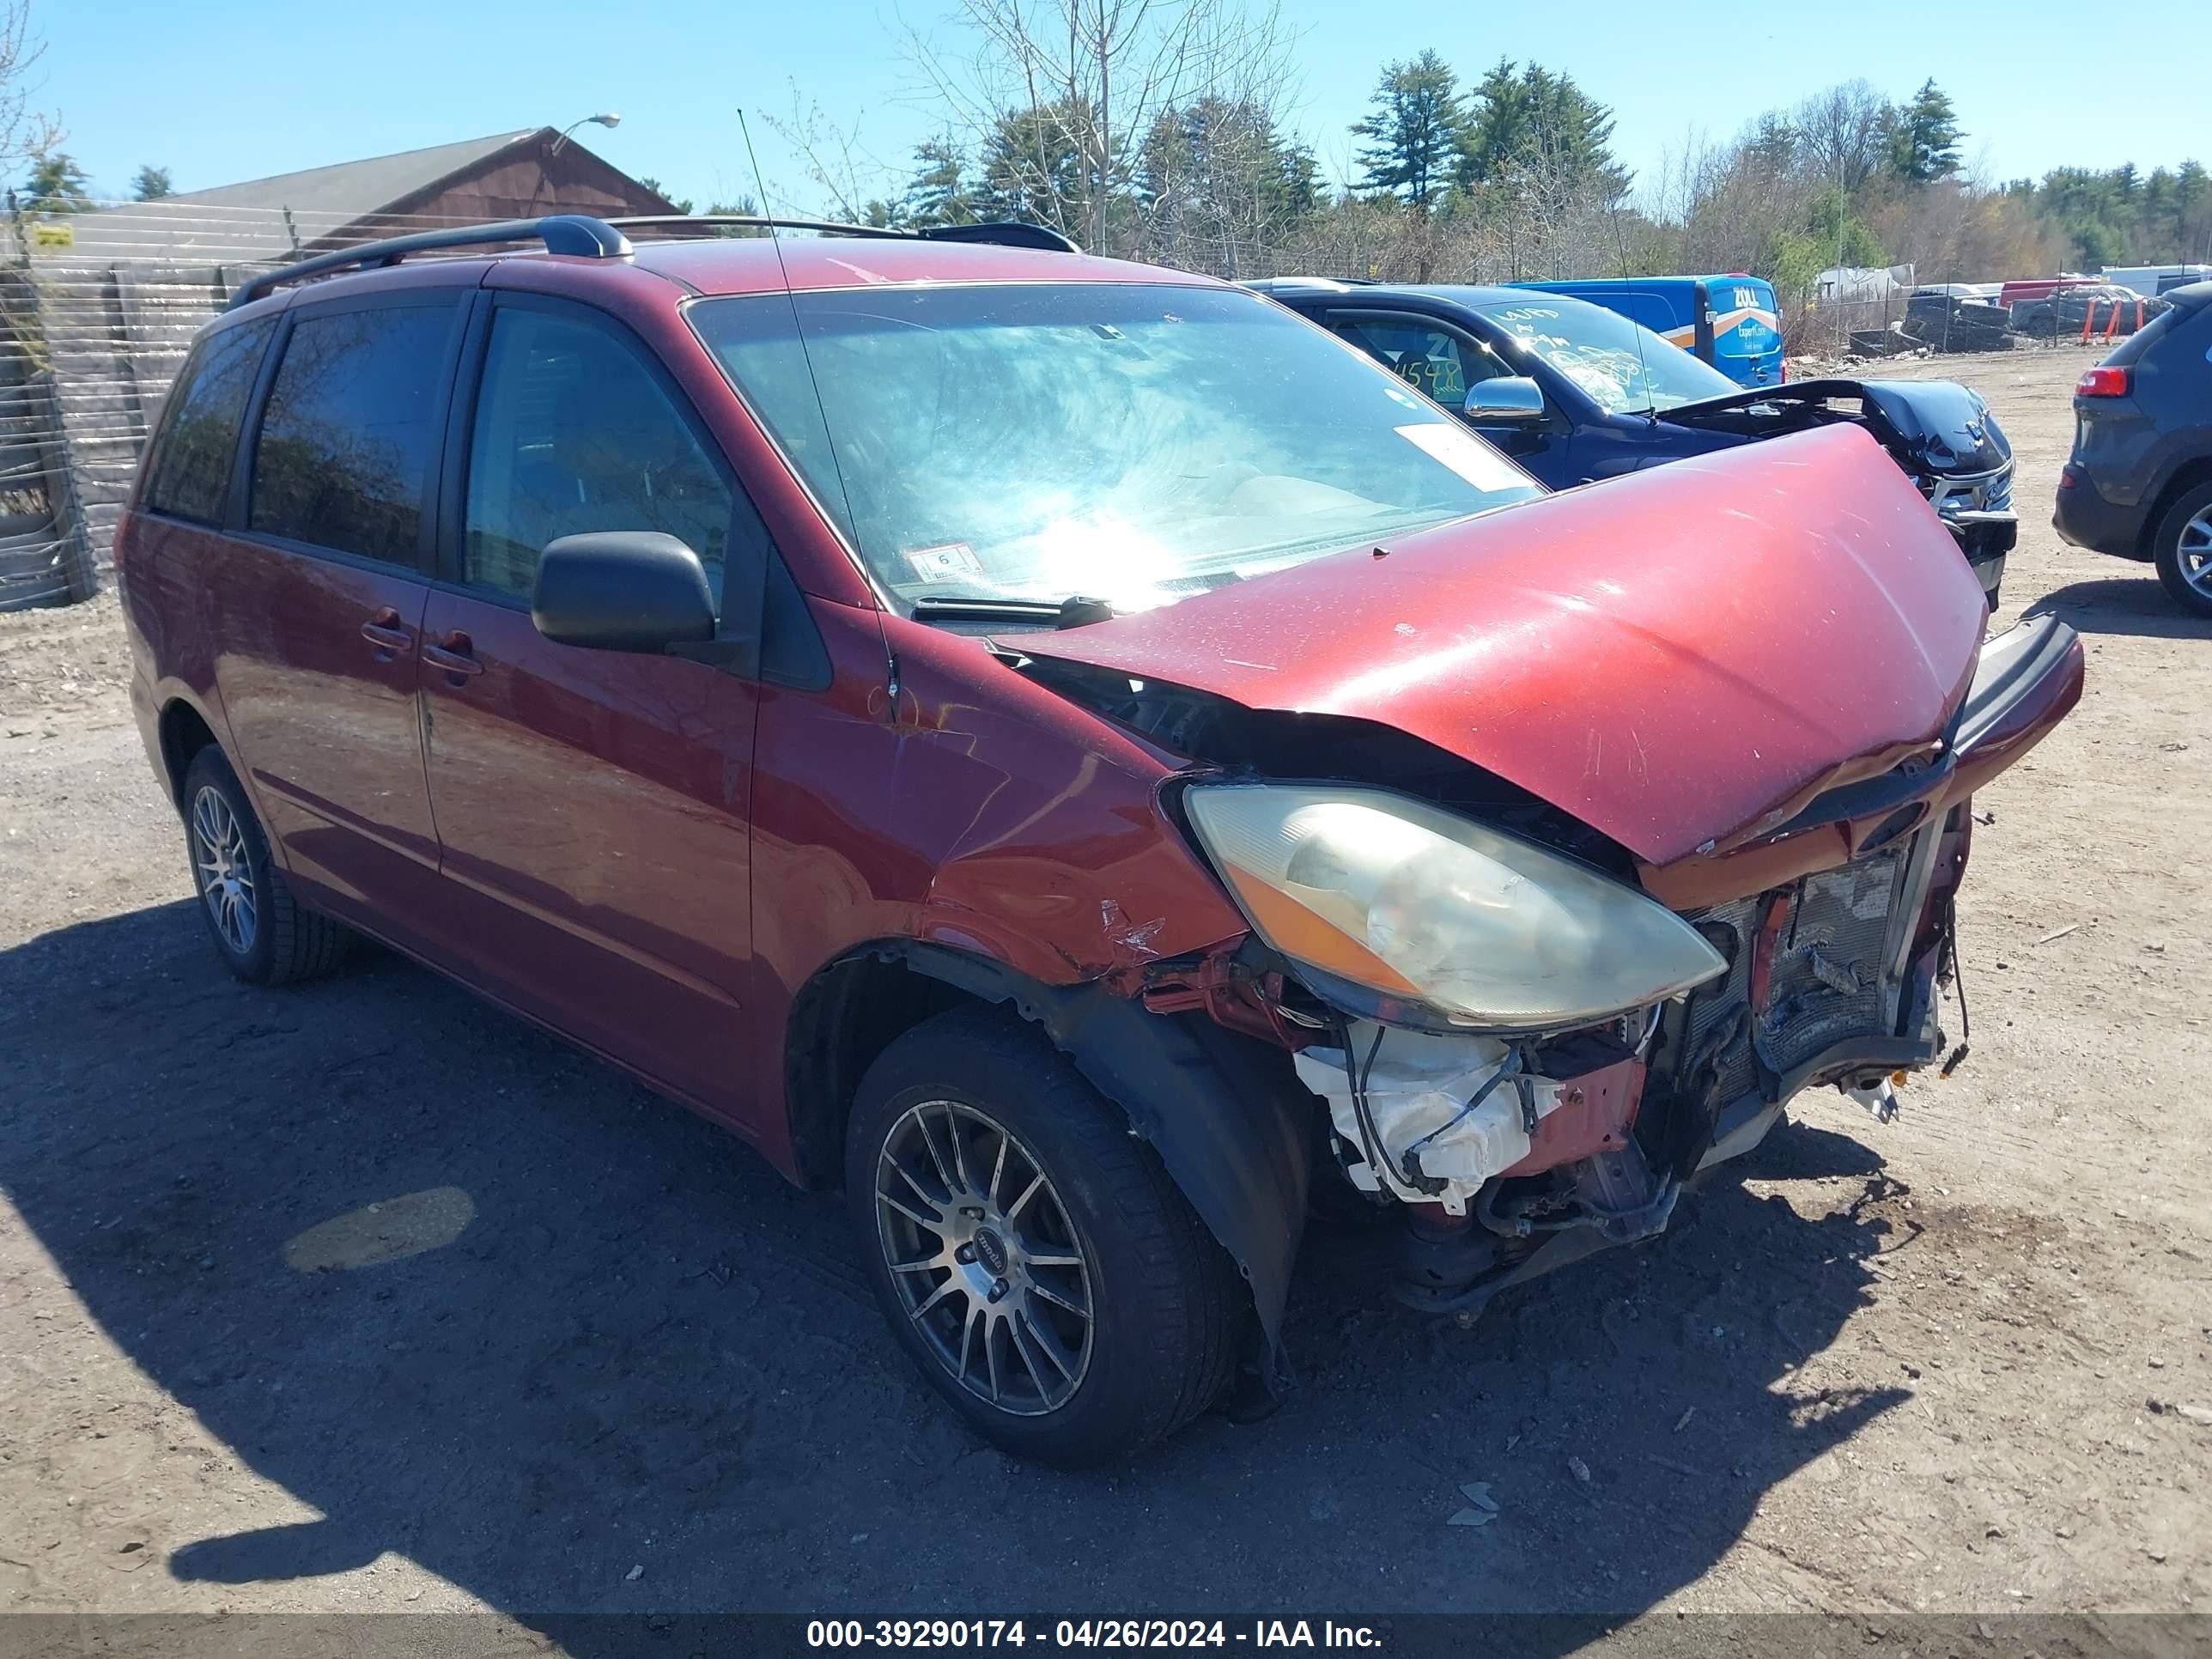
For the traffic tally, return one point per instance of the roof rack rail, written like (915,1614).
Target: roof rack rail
(1010,232)
(1006,233)
(1271,284)
(588,238)
(561,233)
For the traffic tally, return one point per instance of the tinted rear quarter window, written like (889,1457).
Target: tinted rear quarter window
(352,423)
(189,476)
(2142,339)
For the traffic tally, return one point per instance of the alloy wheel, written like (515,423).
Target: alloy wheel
(983,1257)
(2193,555)
(225,867)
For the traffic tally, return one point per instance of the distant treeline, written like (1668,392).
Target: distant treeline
(1157,130)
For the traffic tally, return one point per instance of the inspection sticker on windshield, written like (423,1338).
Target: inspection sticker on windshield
(1464,453)
(947,561)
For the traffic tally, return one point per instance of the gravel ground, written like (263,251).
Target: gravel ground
(365,1297)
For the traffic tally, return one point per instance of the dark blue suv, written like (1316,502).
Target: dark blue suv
(1575,393)
(2139,482)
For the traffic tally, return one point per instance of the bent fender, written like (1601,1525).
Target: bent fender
(1225,1112)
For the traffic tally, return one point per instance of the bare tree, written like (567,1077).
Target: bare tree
(835,161)
(24,132)
(1059,96)
(1844,133)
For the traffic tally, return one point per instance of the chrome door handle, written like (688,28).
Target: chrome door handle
(451,657)
(383,631)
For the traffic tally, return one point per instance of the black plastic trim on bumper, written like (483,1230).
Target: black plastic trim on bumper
(1882,792)
(2011,664)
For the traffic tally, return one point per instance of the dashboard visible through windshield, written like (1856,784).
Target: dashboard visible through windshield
(1132,442)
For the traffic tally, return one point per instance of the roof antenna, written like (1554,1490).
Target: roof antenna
(1643,364)
(798,324)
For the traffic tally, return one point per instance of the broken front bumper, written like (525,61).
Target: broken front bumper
(1978,508)
(1833,978)
(1986,537)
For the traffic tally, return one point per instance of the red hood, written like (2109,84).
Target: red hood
(1679,657)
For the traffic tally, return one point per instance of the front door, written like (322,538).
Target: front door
(316,602)
(593,806)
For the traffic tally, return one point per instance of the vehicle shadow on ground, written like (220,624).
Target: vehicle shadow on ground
(2121,604)
(475,1299)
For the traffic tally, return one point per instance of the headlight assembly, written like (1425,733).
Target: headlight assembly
(1409,901)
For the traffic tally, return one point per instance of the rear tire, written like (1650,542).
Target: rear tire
(1074,1326)
(260,930)
(2181,547)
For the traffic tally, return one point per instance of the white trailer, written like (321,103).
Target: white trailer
(2151,281)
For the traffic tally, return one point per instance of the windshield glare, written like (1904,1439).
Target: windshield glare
(1129,442)
(1622,365)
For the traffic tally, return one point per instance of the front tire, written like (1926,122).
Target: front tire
(259,930)
(1032,1256)
(2182,548)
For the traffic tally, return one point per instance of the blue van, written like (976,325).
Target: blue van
(1730,322)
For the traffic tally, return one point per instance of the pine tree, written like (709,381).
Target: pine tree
(683,204)
(1032,168)
(938,193)
(1537,120)
(2192,210)
(1924,137)
(152,184)
(1415,133)
(58,184)
(1219,184)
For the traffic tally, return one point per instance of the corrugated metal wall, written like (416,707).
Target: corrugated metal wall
(91,350)
(98,309)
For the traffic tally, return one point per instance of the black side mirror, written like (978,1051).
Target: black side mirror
(623,590)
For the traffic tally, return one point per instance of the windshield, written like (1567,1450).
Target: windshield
(1128,442)
(1624,366)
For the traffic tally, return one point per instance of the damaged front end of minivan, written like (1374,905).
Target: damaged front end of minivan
(1565,871)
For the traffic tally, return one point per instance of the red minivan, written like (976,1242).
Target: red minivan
(1067,751)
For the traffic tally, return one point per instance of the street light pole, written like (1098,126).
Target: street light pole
(605,118)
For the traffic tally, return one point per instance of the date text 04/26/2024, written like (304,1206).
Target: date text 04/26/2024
(1087,1633)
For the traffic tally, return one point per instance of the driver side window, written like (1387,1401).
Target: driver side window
(1429,359)
(572,435)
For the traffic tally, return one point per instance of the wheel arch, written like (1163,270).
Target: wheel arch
(1225,1112)
(183,730)
(2185,478)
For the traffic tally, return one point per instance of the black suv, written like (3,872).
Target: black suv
(2139,482)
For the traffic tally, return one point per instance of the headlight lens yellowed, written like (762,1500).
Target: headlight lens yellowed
(1412,901)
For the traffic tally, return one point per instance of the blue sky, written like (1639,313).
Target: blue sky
(222,94)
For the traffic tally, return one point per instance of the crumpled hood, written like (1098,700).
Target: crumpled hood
(1949,428)
(1942,425)
(1679,657)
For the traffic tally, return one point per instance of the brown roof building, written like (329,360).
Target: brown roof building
(507,175)
(96,313)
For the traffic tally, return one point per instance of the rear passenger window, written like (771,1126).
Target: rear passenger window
(346,440)
(573,435)
(190,478)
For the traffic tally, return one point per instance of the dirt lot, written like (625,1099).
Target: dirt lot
(1958,1363)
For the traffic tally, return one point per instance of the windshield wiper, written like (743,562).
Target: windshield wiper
(1074,611)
